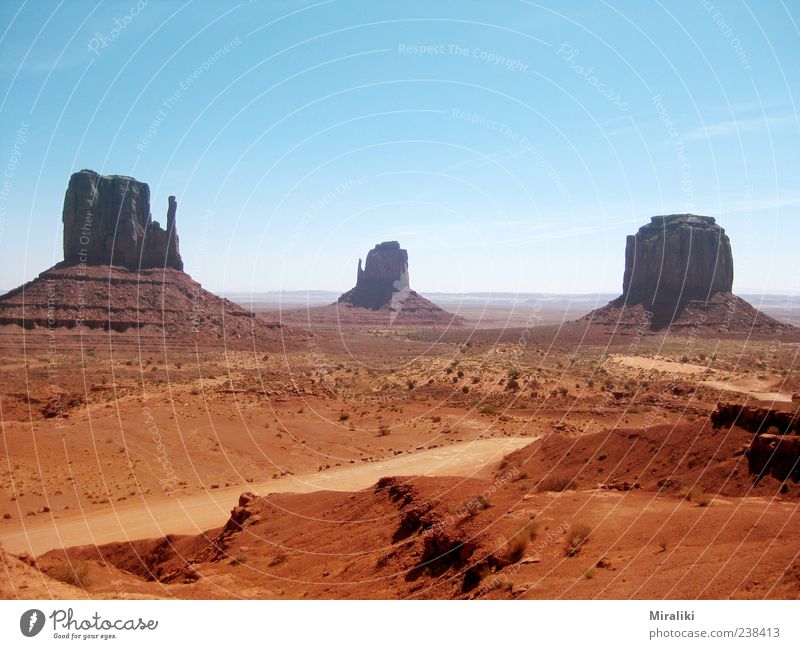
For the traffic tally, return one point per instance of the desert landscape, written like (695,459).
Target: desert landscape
(159,441)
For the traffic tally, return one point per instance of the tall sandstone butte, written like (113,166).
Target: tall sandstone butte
(122,270)
(107,221)
(383,278)
(677,258)
(382,287)
(679,273)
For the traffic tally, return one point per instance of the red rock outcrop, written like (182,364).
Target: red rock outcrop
(677,258)
(107,222)
(382,286)
(679,274)
(122,271)
(383,279)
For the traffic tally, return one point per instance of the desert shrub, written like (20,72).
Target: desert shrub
(517,544)
(75,574)
(512,384)
(488,410)
(556,483)
(577,536)
(704,500)
(410,384)
(478,504)
(475,380)
(460,374)
(602,456)
(436,419)
(383,430)
(465,389)
(563,391)
(695,493)
(343,416)
(590,573)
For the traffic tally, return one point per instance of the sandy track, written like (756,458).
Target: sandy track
(198,512)
(762,390)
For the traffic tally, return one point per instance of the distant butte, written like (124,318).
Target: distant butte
(679,273)
(383,286)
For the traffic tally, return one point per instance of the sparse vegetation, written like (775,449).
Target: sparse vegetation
(556,483)
(577,536)
(72,573)
(516,546)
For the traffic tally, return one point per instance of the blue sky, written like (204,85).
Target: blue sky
(508,145)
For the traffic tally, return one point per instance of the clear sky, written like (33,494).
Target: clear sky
(508,145)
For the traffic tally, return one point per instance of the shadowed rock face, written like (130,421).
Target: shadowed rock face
(383,278)
(677,258)
(107,222)
(679,273)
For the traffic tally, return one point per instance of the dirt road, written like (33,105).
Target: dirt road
(198,512)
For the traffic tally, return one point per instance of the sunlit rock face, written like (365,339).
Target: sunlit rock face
(107,221)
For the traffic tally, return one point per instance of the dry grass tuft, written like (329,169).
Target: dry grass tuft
(556,483)
(577,536)
(75,574)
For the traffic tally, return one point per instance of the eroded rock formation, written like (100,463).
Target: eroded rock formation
(107,222)
(383,279)
(122,271)
(382,287)
(679,274)
(677,258)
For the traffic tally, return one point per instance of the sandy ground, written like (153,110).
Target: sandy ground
(98,429)
(199,512)
(761,389)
